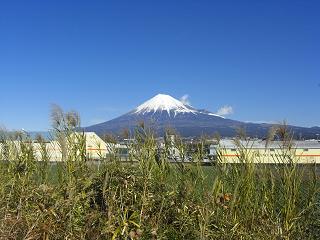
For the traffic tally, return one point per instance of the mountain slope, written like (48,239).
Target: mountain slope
(163,111)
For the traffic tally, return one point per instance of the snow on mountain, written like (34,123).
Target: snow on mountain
(209,113)
(163,102)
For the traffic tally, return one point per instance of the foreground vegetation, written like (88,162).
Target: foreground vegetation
(152,199)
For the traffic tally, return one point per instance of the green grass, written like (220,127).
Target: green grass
(120,200)
(153,199)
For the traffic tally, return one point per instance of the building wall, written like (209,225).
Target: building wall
(96,148)
(270,155)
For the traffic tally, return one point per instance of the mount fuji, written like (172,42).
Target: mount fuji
(164,111)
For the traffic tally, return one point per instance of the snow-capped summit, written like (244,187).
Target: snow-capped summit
(163,102)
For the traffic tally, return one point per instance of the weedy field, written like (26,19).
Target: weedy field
(151,198)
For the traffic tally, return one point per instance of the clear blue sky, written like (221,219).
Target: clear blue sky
(103,58)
